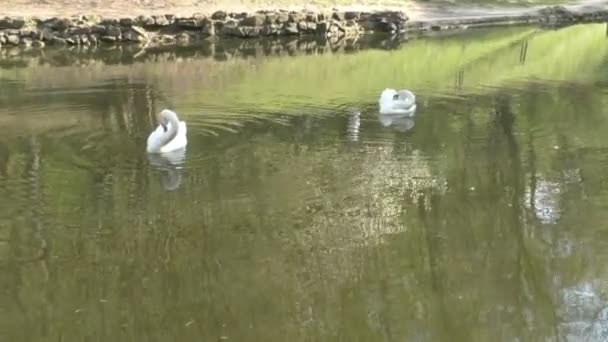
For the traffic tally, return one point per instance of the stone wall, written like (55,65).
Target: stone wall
(92,30)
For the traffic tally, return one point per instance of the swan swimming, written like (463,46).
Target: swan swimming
(169,136)
(402,102)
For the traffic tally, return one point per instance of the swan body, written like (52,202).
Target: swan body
(169,136)
(401,102)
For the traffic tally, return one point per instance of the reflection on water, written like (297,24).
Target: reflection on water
(170,165)
(297,211)
(400,123)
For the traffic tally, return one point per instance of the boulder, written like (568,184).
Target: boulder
(79,30)
(256,20)
(145,21)
(249,31)
(139,31)
(38,44)
(282,17)
(73,40)
(26,41)
(230,28)
(47,34)
(12,39)
(91,18)
(352,15)
(58,24)
(209,29)
(161,20)
(58,41)
(188,23)
(113,31)
(338,16)
(270,30)
(127,22)
(290,28)
(322,28)
(12,22)
(296,17)
(84,39)
(109,39)
(93,39)
(219,15)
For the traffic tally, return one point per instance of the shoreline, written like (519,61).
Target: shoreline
(333,25)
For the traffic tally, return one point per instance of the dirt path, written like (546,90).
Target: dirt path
(416,11)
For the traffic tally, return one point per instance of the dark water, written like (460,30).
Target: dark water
(299,213)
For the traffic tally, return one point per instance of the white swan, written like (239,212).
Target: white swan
(402,102)
(169,136)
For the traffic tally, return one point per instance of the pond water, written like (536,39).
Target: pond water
(298,213)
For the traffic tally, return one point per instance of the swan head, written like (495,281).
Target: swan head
(165,117)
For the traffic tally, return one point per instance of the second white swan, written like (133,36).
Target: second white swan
(169,136)
(402,102)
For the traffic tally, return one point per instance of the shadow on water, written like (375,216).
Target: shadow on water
(297,211)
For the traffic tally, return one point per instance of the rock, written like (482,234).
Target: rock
(2,39)
(100,29)
(113,31)
(230,29)
(59,41)
(91,19)
(351,15)
(271,17)
(312,27)
(12,32)
(38,44)
(254,20)
(302,26)
(291,28)
(188,23)
(249,31)
(12,23)
(183,38)
(296,17)
(110,21)
(27,42)
(338,16)
(209,29)
(145,20)
(109,39)
(322,28)
(58,24)
(93,39)
(219,15)
(282,17)
(167,39)
(311,17)
(269,30)
(26,33)
(79,30)
(139,31)
(127,22)
(322,17)
(161,20)
(12,39)
(556,15)
(73,40)
(84,39)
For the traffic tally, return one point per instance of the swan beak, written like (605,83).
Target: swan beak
(164,127)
